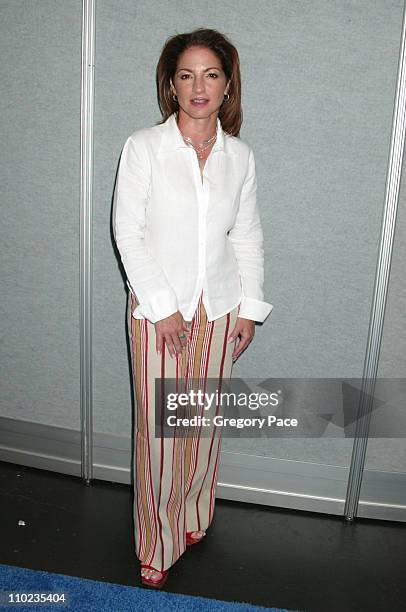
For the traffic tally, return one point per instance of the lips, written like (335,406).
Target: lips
(199,101)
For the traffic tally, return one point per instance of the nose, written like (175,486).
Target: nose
(198,84)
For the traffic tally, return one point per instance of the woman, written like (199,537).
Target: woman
(189,235)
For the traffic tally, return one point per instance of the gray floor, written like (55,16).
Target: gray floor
(265,556)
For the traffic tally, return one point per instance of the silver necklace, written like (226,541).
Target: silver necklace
(200,147)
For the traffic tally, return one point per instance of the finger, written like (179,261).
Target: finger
(183,339)
(169,344)
(158,343)
(183,334)
(188,330)
(244,342)
(177,342)
(234,335)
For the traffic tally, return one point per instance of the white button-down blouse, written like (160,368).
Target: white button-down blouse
(178,234)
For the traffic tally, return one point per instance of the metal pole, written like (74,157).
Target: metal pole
(86,224)
(381,287)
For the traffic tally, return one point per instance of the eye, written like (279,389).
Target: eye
(213,74)
(184,75)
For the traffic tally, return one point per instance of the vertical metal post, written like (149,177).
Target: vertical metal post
(381,286)
(86,224)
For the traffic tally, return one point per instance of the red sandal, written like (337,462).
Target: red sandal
(190,540)
(157,584)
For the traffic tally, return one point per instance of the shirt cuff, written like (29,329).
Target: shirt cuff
(159,306)
(253,309)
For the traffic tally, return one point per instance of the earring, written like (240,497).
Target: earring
(175,97)
(226,97)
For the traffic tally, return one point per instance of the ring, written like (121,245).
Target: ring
(182,335)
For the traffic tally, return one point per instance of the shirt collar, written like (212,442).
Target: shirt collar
(173,139)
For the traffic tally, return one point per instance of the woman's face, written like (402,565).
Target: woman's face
(199,82)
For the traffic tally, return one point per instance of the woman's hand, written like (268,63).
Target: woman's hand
(168,329)
(245,328)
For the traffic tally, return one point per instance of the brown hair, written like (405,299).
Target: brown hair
(230,112)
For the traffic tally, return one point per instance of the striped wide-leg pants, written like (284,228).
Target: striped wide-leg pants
(174,478)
